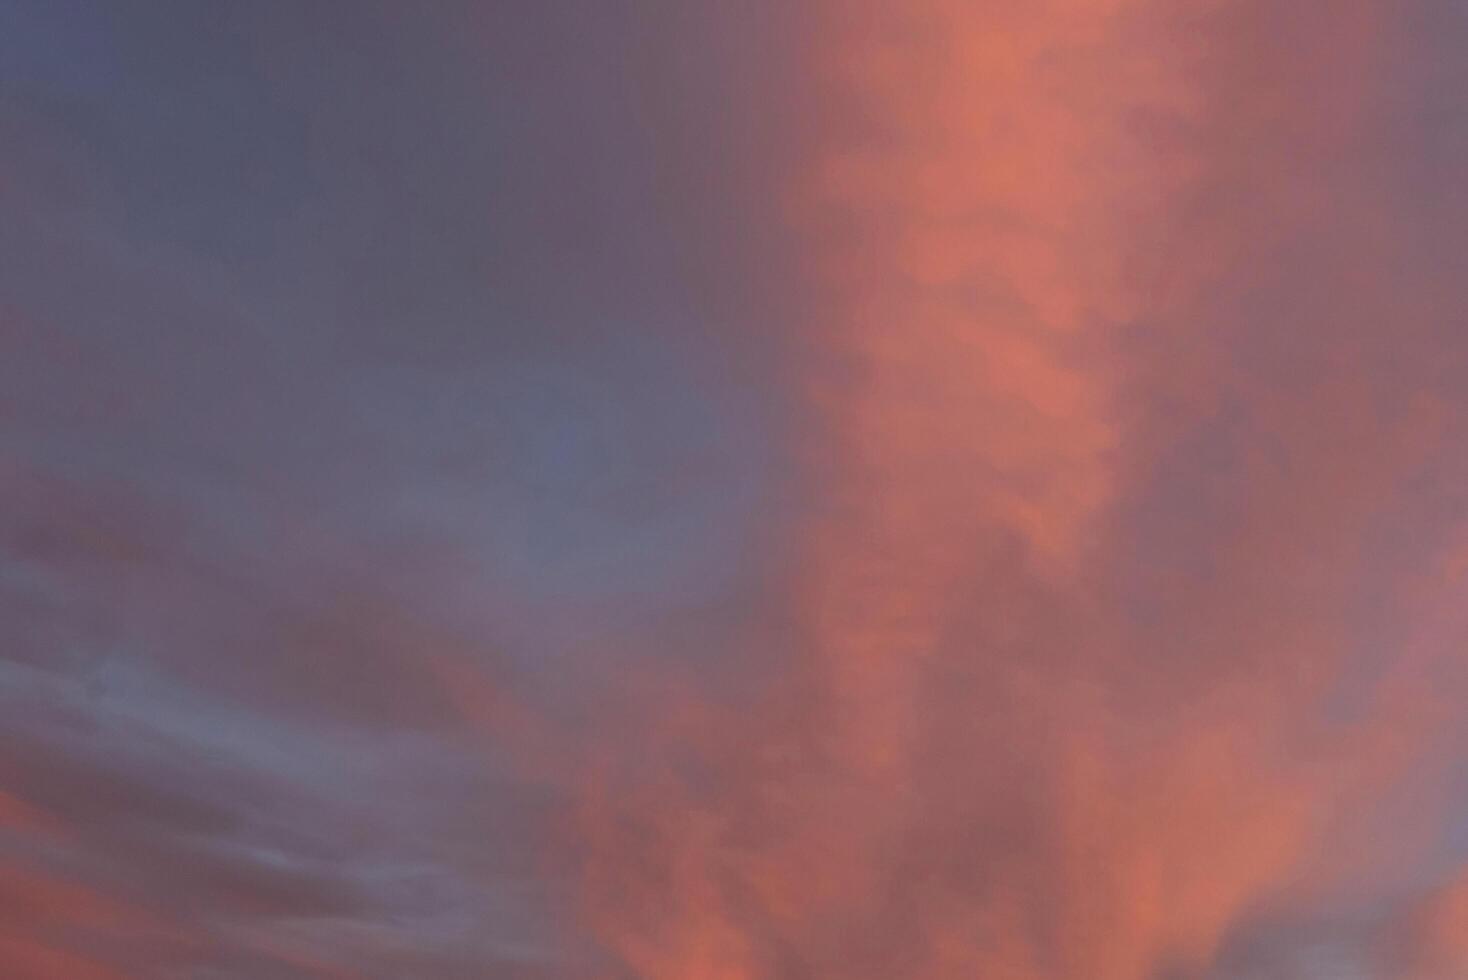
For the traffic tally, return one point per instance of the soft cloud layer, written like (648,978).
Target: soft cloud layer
(1109,632)
(930,489)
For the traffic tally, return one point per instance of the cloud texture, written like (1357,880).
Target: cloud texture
(936,489)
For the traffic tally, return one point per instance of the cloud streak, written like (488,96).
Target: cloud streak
(1108,446)
(649,490)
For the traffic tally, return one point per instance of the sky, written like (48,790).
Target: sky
(691,490)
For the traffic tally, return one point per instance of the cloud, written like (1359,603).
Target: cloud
(1112,436)
(871,490)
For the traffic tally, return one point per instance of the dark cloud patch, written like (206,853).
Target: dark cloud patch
(338,343)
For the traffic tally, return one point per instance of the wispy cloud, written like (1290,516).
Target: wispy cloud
(930,489)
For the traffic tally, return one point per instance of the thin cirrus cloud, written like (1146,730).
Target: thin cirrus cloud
(930,490)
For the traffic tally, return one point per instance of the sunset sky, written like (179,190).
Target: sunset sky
(734,490)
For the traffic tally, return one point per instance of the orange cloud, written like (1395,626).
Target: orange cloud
(1024,733)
